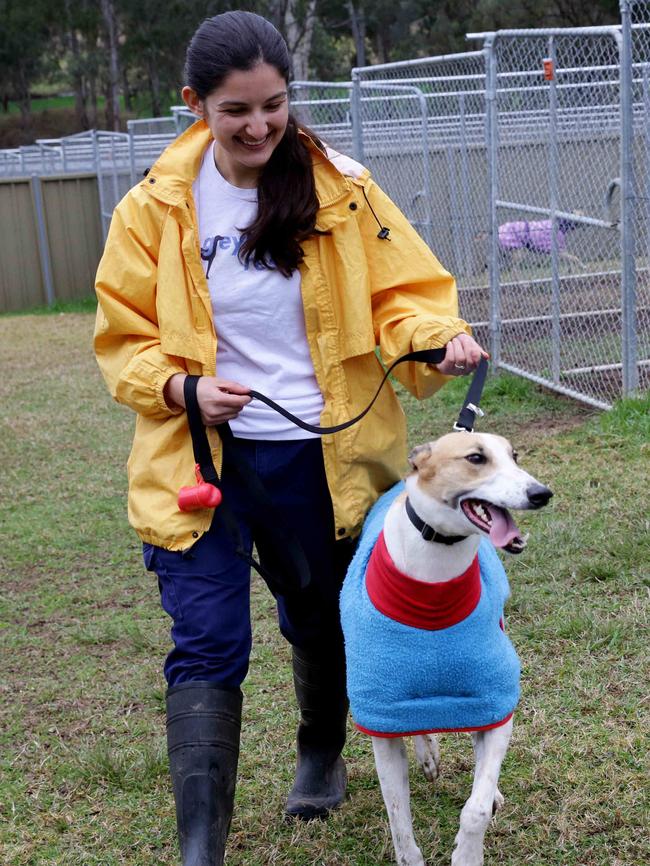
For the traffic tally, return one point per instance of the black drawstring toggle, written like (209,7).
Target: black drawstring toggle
(382,234)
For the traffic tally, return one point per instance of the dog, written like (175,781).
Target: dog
(422,616)
(534,238)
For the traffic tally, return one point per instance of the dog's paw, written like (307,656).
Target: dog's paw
(427,753)
(499,800)
(467,855)
(430,769)
(411,858)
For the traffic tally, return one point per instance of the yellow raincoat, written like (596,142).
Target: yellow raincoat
(359,291)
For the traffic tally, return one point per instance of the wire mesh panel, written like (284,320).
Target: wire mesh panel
(557,167)
(421,130)
(325,107)
(114,170)
(183,117)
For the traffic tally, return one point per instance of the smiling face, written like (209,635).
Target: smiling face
(247,115)
(472,479)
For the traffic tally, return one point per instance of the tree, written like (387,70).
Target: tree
(113,79)
(358,27)
(78,35)
(23,38)
(299,20)
(153,49)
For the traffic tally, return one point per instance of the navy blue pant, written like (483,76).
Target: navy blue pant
(206,589)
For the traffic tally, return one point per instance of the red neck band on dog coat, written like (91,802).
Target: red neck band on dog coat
(416,603)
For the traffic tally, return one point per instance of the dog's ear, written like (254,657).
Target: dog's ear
(418,455)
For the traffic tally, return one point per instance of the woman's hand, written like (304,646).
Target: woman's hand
(218,399)
(463,356)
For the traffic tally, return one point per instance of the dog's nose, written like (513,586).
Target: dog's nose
(538,495)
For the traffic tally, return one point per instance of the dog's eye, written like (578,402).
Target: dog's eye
(476,458)
(515,456)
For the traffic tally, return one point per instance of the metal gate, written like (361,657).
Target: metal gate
(519,164)
(554,133)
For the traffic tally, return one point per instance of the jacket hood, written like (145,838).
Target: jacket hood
(176,169)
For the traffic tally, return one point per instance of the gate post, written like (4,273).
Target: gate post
(355,110)
(43,242)
(628,207)
(493,169)
(553,175)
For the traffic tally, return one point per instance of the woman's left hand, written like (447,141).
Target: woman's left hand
(463,356)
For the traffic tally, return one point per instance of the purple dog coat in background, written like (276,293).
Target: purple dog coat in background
(535,236)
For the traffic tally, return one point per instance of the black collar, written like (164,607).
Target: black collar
(428,532)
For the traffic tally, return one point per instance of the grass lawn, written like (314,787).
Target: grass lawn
(83,776)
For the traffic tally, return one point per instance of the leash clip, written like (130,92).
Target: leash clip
(475,410)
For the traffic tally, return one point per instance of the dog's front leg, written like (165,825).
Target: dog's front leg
(490,749)
(392,769)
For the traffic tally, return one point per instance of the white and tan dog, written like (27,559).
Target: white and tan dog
(432,586)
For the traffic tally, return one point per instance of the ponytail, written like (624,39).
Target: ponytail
(287,205)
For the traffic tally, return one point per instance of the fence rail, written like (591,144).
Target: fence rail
(525,165)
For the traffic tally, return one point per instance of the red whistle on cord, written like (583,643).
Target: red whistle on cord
(200,495)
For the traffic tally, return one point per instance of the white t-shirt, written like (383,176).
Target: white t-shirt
(258,315)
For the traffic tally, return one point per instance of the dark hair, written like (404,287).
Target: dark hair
(286,193)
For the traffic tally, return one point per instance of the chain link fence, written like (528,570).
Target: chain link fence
(524,165)
(555,246)
(517,165)
(421,130)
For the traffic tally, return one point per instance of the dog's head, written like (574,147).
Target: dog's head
(466,482)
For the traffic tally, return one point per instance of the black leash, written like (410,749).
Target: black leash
(471,409)
(281,544)
(428,356)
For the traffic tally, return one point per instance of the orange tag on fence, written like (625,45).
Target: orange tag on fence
(549,69)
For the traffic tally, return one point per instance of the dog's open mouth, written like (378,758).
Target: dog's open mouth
(496,521)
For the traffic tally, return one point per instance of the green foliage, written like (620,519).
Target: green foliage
(23,37)
(66,42)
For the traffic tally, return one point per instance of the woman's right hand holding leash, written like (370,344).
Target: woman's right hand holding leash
(219,400)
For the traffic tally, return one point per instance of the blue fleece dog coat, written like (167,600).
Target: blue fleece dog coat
(405,680)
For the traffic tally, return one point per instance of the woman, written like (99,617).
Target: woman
(251,258)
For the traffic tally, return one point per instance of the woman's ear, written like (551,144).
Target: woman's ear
(191,99)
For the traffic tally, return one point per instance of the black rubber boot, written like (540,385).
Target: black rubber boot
(321,777)
(203,724)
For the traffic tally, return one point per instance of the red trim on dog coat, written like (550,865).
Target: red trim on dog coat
(435,730)
(430,606)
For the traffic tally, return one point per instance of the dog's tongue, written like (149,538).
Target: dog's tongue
(503,528)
